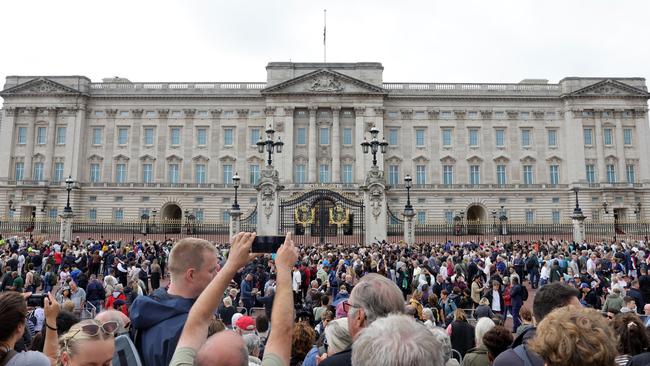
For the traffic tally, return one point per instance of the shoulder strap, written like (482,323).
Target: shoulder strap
(520,351)
(7,357)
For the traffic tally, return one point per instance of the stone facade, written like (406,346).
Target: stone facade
(137,147)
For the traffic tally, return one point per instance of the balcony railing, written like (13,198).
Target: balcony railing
(473,88)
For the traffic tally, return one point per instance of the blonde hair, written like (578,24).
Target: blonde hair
(74,338)
(188,253)
(573,335)
(68,305)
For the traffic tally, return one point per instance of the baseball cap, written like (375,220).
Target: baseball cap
(245,323)
(584,285)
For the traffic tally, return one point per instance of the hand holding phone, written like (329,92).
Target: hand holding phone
(267,244)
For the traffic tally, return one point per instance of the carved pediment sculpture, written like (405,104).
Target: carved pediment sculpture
(325,83)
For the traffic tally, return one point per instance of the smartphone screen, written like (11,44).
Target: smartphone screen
(267,244)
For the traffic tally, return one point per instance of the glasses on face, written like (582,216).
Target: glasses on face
(347,306)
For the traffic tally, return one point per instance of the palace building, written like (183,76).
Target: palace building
(475,149)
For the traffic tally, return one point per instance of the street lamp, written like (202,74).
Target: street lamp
(235,183)
(577,211)
(408,209)
(69,182)
(269,145)
(494,219)
(373,146)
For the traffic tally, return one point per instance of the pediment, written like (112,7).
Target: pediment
(528,158)
(420,158)
(394,159)
(95,157)
(200,158)
(119,157)
(474,158)
(501,158)
(322,82)
(174,157)
(610,89)
(448,159)
(40,87)
(255,160)
(553,158)
(228,158)
(147,157)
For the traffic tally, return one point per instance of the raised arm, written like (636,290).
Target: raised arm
(195,331)
(51,347)
(279,343)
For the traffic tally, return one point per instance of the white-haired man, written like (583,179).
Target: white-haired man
(372,298)
(397,340)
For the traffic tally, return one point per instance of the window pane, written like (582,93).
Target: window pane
(448,174)
(420,174)
(552,138)
(201,136)
(347,173)
(588,137)
(446,137)
(255,135)
(58,172)
(60,135)
(393,174)
(199,173)
(473,137)
(419,137)
(147,173)
(324,173)
(611,173)
(591,173)
(525,137)
(608,136)
(630,173)
(501,174)
(227,174)
(325,136)
(148,136)
(254,174)
(227,136)
(555,174)
(94,173)
(41,135)
(627,136)
(22,135)
(97,136)
(176,136)
(392,136)
(173,173)
(122,135)
(347,136)
(500,138)
(301,136)
(20,170)
(528,174)
(38,171)
(299,174)
(474,174)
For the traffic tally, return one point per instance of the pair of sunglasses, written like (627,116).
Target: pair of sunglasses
(93,329)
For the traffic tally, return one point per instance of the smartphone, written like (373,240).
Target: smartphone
(36,300)
(267,244)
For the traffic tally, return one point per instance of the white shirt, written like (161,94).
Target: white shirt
(496,301)
(296,281)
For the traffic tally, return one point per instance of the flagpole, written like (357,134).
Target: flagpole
(324,35)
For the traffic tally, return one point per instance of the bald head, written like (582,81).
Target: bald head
(225,348)
(117,316)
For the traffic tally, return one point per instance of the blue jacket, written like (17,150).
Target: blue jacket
(246,290)
(158,321)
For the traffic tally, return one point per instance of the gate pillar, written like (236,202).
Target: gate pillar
(235,222)
(374,199)
(268,213)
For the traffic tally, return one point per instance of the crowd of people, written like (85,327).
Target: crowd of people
(191,301)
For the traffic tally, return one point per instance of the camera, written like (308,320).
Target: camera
(267,244)
(36,300)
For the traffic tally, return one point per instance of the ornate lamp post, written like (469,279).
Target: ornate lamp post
(235,184)
(409,232)
(373,146)
(69,183)
(270,145)
(503,219)
(493,213)
(578,220)
(408,183)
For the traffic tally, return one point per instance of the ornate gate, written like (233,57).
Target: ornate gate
(322,215)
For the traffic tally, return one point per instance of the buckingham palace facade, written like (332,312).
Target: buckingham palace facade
(135,147)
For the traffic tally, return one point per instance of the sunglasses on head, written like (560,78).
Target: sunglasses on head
(93,329)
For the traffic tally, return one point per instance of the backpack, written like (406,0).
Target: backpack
(37,280)
(31,317)
(125,352)
(524,293)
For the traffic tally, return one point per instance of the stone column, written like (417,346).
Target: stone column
(29,147)
(66,227)
(620,151)
(409,227)
(641,133)
(359,157)
(235,221)
(51,141)
(7,140)
(374,198)
(287,154)
(268,202)
(336,145)
(599,143)
(311,171)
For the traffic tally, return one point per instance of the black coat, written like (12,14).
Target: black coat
(462,336)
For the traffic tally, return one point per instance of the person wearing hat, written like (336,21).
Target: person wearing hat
(244,325)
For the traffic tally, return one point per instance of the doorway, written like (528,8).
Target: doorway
(476,219)
(171,216)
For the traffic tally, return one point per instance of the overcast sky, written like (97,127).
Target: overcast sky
(417,41)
